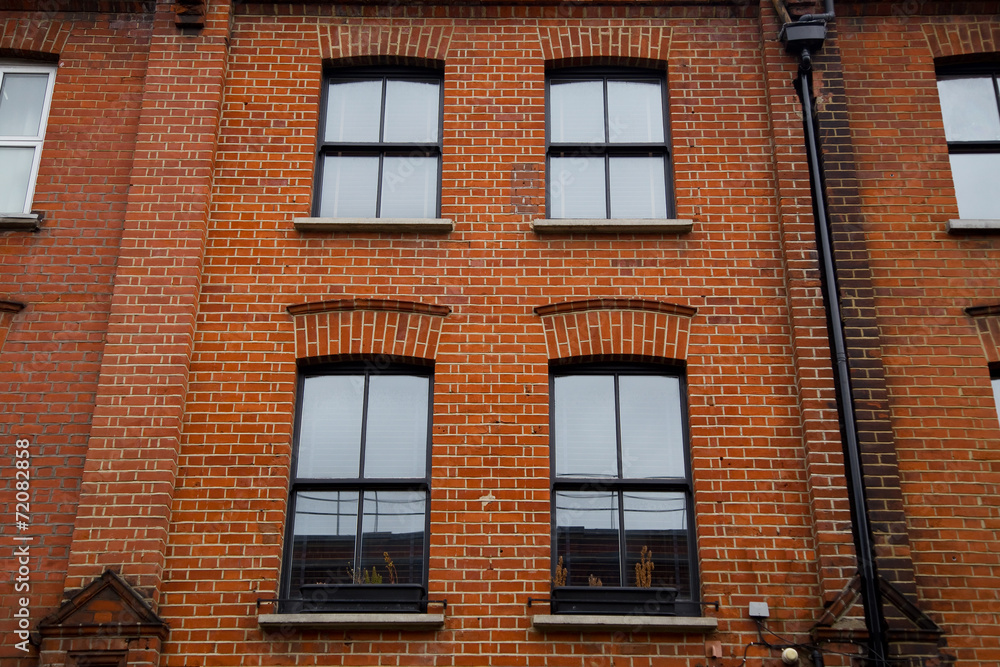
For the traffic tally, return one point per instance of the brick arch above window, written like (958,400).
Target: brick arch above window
(623,328)
(626,46)
(31,40)
(957,39)
(352,327)
(987,319)
(384,44)
(7,311)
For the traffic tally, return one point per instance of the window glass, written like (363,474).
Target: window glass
(607,151)
(22,101)
(409,187)
(977,177)
(996,394)
(25,95)
(587,537)
(638,187)
(585,424)
(635,112)
(15,175)
(393,535)
(349,186)
(330,427)
(396,439)
(651,431)
(411,111)
(971,113)
(577,111)
(621,493)
(359,495)
(353,112)
(969,108)
(380,154)
(577,187)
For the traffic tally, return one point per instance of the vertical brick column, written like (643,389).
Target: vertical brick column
(823,449)
(129,475)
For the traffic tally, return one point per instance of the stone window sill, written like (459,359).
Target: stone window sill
(633,623)
(373,224)
(612,226)
(352,621)
(19,222)
(969,225)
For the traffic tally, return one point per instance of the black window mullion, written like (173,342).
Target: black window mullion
(607,190)
(361,474)
(623,581)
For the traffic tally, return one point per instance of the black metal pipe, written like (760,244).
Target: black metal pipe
(825,16)
(874,619)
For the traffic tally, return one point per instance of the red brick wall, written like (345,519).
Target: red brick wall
(942,408)
(64,274)
(200,319)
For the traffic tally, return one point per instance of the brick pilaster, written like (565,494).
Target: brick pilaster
(129,477)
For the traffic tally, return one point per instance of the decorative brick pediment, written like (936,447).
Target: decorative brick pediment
(109,606)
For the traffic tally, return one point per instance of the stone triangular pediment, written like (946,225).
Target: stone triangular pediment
(107,606)
(843,619)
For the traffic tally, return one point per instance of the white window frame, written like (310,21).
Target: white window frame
(7,67)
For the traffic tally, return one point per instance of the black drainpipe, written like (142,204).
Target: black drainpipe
(801,38)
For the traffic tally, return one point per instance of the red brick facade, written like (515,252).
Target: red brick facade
(152,329)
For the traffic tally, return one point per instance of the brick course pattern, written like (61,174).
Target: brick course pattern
(151,331)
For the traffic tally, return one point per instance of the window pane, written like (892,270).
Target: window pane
(22,98)
(638,188)
(393,526)
(635,112)
(330,429)
(576,110)
(996,394)
(396,438)
(658,521)
(977,179)
(409,187)
(323,529)
(353,111)
(652,437)
(411,112)
(969,108)
(15,175)
(585,433)
(587,536)
(349,187)
(577,188)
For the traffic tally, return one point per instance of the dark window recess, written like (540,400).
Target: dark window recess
(621,491)
(608,145)
(970,107)
(379,152)
(358,515)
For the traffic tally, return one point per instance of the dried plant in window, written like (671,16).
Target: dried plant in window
(644,569)
(594,581)
(561,573)
(390,567)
